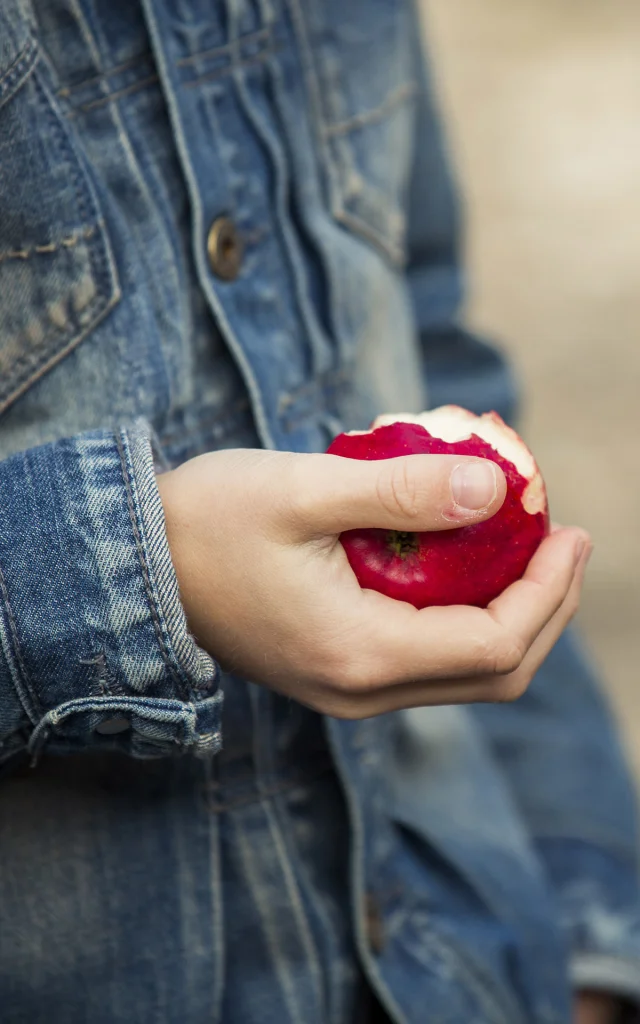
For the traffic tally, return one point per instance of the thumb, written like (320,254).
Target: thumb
(412,493)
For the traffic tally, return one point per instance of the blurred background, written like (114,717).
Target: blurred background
(542,99)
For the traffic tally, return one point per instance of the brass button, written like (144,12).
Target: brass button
(224,248)
(374,925)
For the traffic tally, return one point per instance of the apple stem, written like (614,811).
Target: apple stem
(402,543)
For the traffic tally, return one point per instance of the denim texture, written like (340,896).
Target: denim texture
(177,844)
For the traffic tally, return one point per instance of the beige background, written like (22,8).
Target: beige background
(543,104)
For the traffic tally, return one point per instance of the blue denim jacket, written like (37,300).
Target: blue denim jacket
(189,859)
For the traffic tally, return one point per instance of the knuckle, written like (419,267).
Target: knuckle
(397,489)
(338,699)
(511,689)
(496,656)
(483,655)
(349,678)
(352,678)
(336,673)
(346,710)
(508,658)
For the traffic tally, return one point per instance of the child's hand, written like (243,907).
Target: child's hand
(268,590)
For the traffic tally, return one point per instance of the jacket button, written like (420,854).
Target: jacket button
(374,925)
(112,726)
(224,249)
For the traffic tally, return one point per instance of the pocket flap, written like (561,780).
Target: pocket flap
(57,274)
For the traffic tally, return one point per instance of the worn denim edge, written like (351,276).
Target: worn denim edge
(617,975)
(192,664)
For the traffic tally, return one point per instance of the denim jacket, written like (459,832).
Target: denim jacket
(230,223)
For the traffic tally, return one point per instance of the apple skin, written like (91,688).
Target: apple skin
(469,565)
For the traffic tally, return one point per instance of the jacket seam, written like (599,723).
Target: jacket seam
(233,66)
(18,71)
(268,792)
(395,98)
(370,234)
(33,369)
(219,51)
(35,711)
(103,101)
(126,65)
(68,242)
(30,366)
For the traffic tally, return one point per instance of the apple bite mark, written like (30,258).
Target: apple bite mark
(466,565)
(453,424)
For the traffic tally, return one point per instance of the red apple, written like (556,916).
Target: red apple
(467,565)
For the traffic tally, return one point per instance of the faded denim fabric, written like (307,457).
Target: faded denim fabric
(176,844)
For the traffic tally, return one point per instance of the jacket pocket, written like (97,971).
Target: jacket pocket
(57,274)
(360,62)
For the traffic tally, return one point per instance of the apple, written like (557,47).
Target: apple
(469,565)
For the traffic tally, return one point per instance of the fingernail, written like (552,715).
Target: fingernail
(474,485)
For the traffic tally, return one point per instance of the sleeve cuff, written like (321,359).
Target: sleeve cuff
(617,976)
(93,635)
(598,890)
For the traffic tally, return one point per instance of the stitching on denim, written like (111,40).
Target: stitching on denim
(274,808)
(116,70)
(84,108)
(394,99)
(361,227)
(88,206)
(286,856)
(26,368)
(218,51)
(17,651)
(260,58)
(27,358)
(59,134)
(332,157)
(140,551)
(32,367)
(20,64)
(101,675)
(313,85)
(157,625)
(190,663)
(491,995)
(277,159)
(265,793)
(68,242)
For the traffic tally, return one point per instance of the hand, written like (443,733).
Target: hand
(596,1008)
(268,591)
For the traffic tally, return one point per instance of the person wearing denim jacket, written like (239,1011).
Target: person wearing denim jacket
(230,225)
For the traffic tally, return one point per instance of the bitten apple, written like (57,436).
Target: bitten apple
(469,565)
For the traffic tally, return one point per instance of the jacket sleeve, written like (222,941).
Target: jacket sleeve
(558,746)
(94,647)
